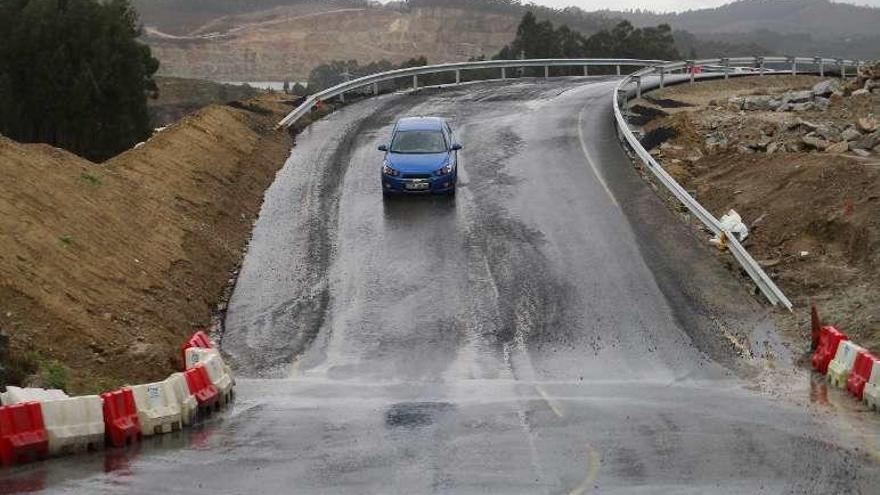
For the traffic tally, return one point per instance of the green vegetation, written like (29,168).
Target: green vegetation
(90,178)
(536,39)
(74,75)
(338,71)
(66,239)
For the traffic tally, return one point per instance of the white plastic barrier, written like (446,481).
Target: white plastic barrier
(871,395)
(200,355)
(220,377)
(15,395)
(842,364)
(185,400)
(74,424)
(158,407)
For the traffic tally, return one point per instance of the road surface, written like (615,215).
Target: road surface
(553,329)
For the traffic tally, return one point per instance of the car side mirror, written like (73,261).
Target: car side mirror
(456,147)
(383,147)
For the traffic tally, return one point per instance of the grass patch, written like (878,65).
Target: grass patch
(90,178)
(66,239)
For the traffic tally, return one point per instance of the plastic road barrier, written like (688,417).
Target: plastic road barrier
(861,373)
(121,417)
(842,364)
(16,395)
(829,341)
(194,355)
(200,385)
(199,339)
(74,424)
(22,434)
(184,398)
(157,407)
(871,394)
(220,377)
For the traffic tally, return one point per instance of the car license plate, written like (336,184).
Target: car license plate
(416,186)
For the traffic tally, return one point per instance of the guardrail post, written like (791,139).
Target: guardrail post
(759,61)
(725,63)
(341,97)
(821,63)
(689,67)
(457,76)
(375,89)
(793,62)
(662,74)
(842,68)
(618,69)
(638,80)
(415,81)
(546,71)
(503,73)
(586,70)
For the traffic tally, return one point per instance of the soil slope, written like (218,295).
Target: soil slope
(813,213)
(105,268)
(285,43)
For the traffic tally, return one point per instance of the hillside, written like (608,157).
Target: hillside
(284,43)
(253,40)
(105,268)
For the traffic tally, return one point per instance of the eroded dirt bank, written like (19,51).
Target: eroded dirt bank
(105,268)
(804,177)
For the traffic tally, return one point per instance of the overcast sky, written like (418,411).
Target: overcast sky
(655,5)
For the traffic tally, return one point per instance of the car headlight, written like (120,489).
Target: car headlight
(446,170)
(389,171)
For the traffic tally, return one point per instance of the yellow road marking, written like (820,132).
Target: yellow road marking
(557,410)
(594,461)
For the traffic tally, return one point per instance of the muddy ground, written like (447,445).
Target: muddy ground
(813,214)
(106,268)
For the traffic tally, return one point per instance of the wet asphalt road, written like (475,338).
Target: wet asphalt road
(553,329)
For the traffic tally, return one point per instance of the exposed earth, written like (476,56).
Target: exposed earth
(104,268)
(806,181)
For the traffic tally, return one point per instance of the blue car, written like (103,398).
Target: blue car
(421,159)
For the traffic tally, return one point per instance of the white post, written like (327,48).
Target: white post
(415,81)
(618,69)
(726,64)
(821,63)
(662,72)
(375,89)
(638,86)
(842,68)
(586,70)
(690,68)
(793,65)
(761,65)
(503,73)
(457,76)
(546,71)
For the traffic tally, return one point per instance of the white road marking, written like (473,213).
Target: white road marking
(589,158)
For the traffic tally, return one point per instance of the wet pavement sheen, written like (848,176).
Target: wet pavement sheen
(553,329)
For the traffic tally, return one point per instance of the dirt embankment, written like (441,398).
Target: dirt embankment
(805,178)
(105,268)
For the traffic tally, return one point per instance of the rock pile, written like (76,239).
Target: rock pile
(818,98)
(867,79)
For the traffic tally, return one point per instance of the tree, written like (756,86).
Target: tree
(74,75)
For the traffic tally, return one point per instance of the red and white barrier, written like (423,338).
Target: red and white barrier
(35,422)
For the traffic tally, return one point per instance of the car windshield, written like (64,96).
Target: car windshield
(418,142)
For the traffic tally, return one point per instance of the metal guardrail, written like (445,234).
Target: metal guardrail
(456,68)
(729,66)
(658,68)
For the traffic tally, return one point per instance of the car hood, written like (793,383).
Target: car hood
(417,163)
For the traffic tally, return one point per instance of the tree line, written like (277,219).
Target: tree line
(72,74)
(533,39)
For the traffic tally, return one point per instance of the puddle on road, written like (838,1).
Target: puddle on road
(416,414)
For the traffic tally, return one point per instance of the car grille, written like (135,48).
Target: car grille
(416,176)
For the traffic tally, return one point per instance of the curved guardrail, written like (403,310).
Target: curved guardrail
(728,67)
(456,68)
(652,68)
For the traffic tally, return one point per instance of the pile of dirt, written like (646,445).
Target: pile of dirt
(806,182)
(104,269)
(179,96)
